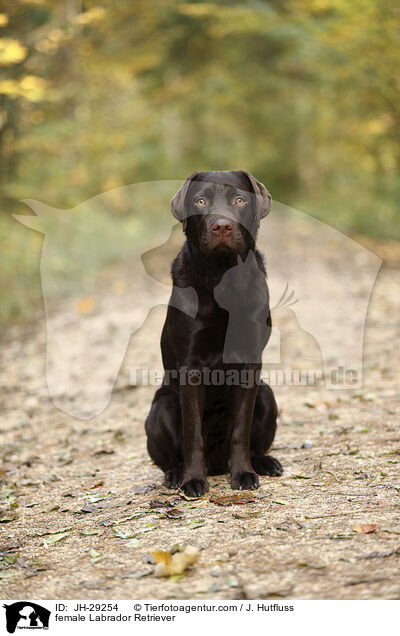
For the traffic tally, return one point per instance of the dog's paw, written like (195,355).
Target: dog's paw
(172,477)
(267,465)
(245,481)
(194,487)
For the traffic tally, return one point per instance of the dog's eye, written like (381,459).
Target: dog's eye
(201,202)
(239,201)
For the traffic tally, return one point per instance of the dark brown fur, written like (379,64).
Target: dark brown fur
(199,429)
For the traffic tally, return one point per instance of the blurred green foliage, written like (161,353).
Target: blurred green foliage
(98,94)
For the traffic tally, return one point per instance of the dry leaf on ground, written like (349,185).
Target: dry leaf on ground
(365,528)
(170,564)
(231,500)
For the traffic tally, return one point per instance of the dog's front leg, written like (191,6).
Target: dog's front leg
(194,482)
(243,476)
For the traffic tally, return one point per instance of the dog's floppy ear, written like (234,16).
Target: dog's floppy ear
(263,197)
(178,207)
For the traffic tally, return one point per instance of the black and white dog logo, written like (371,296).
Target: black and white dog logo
(26,615)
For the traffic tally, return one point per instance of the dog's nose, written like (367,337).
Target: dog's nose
(222,226)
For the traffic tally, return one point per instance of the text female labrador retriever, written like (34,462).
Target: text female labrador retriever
(212,413)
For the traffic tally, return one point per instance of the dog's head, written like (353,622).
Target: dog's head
(221,211)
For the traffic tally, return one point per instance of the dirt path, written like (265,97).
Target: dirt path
(93,481)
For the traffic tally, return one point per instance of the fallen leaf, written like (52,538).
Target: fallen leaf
(103,451)
(8,518)
(10,573)
(88,533)
(196,524)
(95,555)
(122,535)
(232,500)
(159,503)
(55,538)
(150,526)
(177,547)
(10,559)
(380,555)
(88,508)
(231,581)
(182,494)
(143,490)
(170,565)
(222,558)
(58,531)
(97,484)
(215,587)
(342,535)
(51,478)
(377,579)
(95,498)
(365,528)
(305,564)
(176,577)
(9,548)
(161,556)
(170,514)
(22,563)
(246,515)
(133,543)
(123,520)
(139,574)
(302,476)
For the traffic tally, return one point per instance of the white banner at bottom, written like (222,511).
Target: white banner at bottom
(176,617)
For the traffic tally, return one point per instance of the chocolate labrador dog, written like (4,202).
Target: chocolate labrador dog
(212,413)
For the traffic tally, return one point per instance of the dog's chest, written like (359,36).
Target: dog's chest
(210,314)
(209,332)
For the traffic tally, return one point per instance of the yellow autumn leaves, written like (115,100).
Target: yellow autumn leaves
(29,87)
(11,51)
